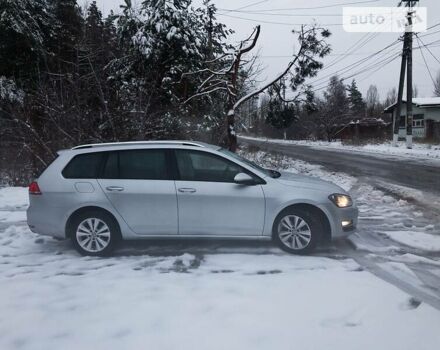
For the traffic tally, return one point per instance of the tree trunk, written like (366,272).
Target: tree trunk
(231,133)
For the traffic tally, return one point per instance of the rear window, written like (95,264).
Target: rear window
(42,170)
(83,166)
(136,165)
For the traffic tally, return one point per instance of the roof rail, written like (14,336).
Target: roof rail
(134,143)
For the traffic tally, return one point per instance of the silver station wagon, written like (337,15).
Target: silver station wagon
(96,195)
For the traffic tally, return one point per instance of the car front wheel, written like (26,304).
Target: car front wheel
(94,234)
(296,231)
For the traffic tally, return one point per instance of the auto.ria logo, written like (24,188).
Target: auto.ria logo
(384,19)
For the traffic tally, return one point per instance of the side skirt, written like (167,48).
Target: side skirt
(164,237)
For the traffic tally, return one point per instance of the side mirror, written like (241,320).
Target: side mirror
(244,179)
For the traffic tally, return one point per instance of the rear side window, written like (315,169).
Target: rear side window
(137,165)
(83,166)
(111,167)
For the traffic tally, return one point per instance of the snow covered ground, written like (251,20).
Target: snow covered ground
(226,295)
(420,151)
(206,295)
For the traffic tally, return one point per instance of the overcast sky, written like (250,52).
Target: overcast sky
(277,43)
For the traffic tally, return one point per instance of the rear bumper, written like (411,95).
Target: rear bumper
(45,222)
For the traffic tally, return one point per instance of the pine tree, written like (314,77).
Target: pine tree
(356,101)
(160,42)
(280,115)
(67,34)
(336,98)
(333,111)
(25,26)
(94,27)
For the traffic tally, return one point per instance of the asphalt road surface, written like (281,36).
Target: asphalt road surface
(410,173)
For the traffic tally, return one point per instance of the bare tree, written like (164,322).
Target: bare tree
(226,75)
(372,100)
(415,91)
(391,97)
(437,85)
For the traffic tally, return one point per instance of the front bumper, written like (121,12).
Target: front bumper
(338,215)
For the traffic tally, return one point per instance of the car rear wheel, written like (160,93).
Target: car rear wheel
(296,231)
(94,233)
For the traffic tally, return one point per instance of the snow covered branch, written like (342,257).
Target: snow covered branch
(266,86)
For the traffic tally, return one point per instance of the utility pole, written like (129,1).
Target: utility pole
(400,93)
(409,85)
(405,65)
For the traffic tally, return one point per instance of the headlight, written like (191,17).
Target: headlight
(341,200)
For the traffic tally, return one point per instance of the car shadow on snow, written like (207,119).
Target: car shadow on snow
(199,246)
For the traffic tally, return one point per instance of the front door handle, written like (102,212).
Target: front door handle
(187,190)
(114,188)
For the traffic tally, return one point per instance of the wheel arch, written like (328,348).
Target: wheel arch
(315,210)
(68,228)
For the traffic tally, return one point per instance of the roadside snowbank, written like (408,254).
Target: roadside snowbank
(419,151)
(299,167)
(13,197)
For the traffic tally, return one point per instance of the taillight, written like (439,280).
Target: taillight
(34,188)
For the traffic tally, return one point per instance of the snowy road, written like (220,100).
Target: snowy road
(380,289)
(410,172)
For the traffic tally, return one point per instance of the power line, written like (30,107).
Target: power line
(273,22)
(380,67)
(356,63)
(428,34)
(426,64)
(377,65)
(433,26)
(329,55)
(356,46)
(343,54)
(311,7)
(249,5)
(428,49)
(345,70)
(289,14)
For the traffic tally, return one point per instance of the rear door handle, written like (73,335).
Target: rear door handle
(114,188)
(187,190)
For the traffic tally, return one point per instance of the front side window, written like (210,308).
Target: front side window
(83,166)
(203,166)
(140,164)
(246,161)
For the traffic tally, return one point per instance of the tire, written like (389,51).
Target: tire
(301,239)
(94,233)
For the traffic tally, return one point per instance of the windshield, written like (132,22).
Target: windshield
(268,172)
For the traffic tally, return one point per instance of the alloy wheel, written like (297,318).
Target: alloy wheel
(93,235)
(294,232)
